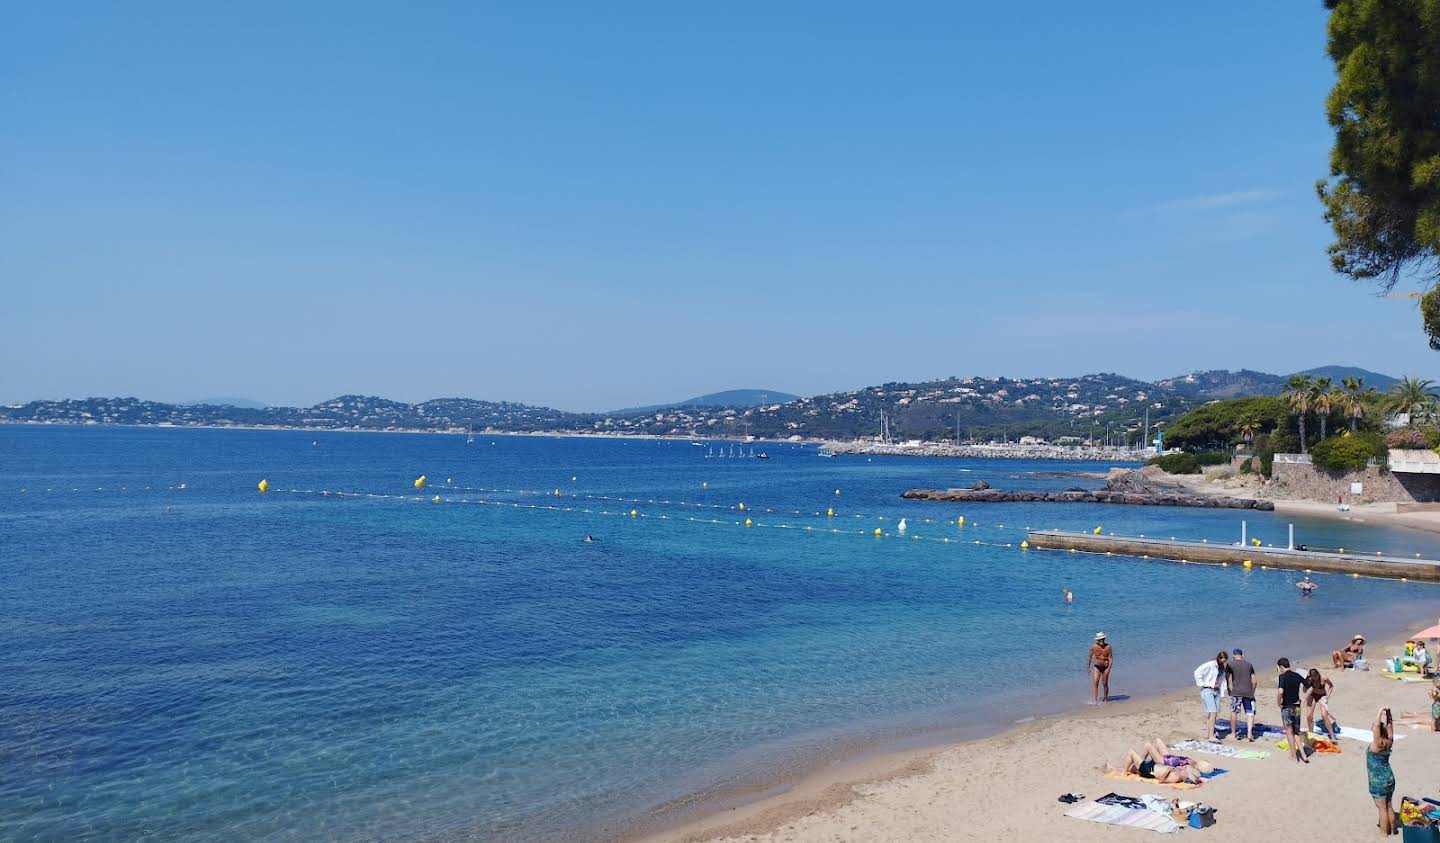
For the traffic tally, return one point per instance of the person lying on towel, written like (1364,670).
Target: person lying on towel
(1156,761)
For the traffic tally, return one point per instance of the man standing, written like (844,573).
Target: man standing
(1210,679)
(1102,656)
(1240,675)
(1287,696)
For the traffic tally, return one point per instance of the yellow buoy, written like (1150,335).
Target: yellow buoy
(878,532)
(263,485)
(436,499)
(960,521)
(830,513)
(420,482)
(1024,545)
(748,522)
(1255,542)
(557,493)
(1096,531)
(634,514)
(742,507)
(1248,564)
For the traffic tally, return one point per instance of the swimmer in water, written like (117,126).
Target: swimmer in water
(589,539)
(1069,597)
(1306,587)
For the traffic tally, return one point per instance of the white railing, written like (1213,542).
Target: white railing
(1293,459)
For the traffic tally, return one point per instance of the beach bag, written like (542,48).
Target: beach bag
(1203,816)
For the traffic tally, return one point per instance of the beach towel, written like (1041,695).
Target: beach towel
(1136,777)
(1362,735)
(1119,815)
(1220,749)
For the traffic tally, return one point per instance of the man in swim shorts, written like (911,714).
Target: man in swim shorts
(1240,675)
(1102,657)
(1287,696)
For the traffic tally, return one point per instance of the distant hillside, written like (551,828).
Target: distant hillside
(243,403)
(1096,406)
(728,398)
(1222,383)
(1381,383)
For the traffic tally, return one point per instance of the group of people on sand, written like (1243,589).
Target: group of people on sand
(1232,675)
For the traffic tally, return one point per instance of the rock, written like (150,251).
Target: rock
(980,486)
(1167,497)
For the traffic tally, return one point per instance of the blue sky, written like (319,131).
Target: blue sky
(594,205)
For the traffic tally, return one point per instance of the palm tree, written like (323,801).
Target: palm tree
(1297,398)
(1353,401)
(1412,396)
(1322,400)
(1249,426)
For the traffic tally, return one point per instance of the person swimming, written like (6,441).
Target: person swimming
(1306,587)
(1069,597)
(589,539)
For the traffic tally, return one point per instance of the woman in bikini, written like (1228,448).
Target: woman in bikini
(1347,657)
(1157,762)
(1317,692)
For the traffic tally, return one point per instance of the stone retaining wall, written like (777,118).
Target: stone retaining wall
(1306,481)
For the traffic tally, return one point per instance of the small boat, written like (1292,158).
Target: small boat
(697,444)
(762,456)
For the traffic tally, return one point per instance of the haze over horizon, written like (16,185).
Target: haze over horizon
(628,205)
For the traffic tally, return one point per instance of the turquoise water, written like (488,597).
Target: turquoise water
(213,663)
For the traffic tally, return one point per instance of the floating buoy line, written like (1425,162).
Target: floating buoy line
(746,511)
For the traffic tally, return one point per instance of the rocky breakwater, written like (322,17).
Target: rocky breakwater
(1122,487)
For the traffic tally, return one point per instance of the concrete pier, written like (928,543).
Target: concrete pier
(1392,567)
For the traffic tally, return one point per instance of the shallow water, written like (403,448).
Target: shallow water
(214,663)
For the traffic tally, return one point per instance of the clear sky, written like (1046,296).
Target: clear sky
(592,205)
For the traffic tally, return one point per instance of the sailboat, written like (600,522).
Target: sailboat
(470,439)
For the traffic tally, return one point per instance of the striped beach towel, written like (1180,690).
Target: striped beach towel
(1220,749)
(1120,815)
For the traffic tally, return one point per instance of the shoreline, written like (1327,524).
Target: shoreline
(1378,514)
(908,793)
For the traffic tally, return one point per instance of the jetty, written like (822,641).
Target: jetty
(1389,567)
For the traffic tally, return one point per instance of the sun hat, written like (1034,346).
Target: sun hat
(1099,636)
(1357,638)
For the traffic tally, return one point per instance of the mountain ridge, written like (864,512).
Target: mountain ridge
(1088,407)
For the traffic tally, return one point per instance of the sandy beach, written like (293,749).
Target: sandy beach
(1006,787)
(1384,514)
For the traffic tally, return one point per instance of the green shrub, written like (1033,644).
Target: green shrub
(1350,452)
(1432,438)
(1177,463)
(1213,458)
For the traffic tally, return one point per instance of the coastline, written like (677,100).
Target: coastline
(1380,514)
(1004,786)
(836,447)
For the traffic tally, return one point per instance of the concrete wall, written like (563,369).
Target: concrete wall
(1303,480)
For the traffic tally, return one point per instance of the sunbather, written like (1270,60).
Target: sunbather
(1155,761)
(1346,657)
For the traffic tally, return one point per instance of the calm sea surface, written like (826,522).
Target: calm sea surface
(211,663)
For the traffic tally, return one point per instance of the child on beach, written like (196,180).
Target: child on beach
(1435,705)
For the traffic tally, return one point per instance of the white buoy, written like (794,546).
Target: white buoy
(901,525)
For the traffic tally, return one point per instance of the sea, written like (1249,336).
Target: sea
(348,656)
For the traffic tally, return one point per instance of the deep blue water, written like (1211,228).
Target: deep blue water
(214,663)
